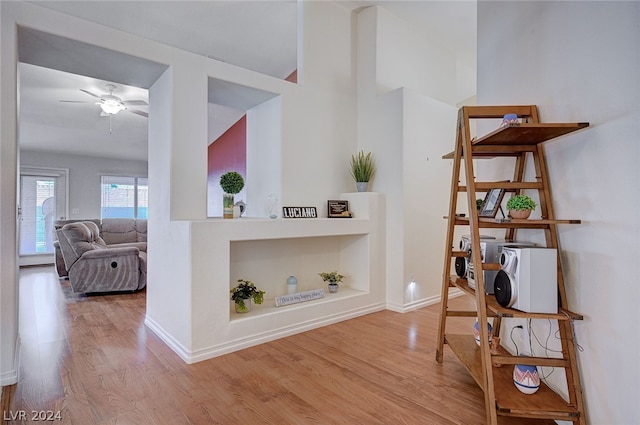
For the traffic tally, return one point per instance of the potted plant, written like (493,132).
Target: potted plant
(479,203)
(231,184)
(333,279)
(244,293)
(363,167)
(520,206)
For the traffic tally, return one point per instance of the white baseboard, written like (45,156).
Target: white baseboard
(178,348)
(190,357)
(424,302)
(260,338)
(10,377)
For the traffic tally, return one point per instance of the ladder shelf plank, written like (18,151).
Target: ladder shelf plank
(528,134)
(516,139)
(544,404)
(499,311)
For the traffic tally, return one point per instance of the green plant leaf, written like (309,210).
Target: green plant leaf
(245,290)
(521,202)
(332,277)
(362,166)
(231,182)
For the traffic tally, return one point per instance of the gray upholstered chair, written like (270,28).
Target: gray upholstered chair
(95,267)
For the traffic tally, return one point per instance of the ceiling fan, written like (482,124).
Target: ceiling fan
(111,104)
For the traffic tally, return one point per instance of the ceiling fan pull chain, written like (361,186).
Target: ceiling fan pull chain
(109,124)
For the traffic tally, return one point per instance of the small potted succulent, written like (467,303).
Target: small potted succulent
(520,206)
(244,293)
(363,167)
(231,184)
(333,279)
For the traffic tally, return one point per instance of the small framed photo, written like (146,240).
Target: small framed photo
(491,203)
(338,209)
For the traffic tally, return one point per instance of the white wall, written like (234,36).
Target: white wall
(8,180)
(579,61)
(264,156)
(428,130)
(318,114)
(317,130)
(84,177)
(407,86)
(409,58)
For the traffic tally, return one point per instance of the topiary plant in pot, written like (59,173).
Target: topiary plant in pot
(520,206)
(333,279)
(231,184)
(244,293)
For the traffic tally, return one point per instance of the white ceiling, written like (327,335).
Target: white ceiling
(257,35)
(48,124)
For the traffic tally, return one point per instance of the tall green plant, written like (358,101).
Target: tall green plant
(363,166)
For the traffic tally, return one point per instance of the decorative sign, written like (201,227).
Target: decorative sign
(299,212)
(299,297)
(338,209)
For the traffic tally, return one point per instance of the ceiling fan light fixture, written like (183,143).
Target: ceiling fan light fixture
(111,104)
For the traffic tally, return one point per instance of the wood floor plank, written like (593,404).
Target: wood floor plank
(92,359)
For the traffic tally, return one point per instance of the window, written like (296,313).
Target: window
(124,197)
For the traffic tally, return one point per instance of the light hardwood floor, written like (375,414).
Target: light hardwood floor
(91,359)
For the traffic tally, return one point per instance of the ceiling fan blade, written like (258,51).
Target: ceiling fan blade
(89,93)
(135,102)
(138,112)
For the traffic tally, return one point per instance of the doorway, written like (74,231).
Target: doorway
(43,199)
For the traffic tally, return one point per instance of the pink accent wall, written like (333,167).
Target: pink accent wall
(227,153)
(293,77)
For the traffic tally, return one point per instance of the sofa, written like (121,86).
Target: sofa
(102,255)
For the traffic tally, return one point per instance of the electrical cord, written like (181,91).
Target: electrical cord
(512,340)
(544,375)
(532,335)
(546,344)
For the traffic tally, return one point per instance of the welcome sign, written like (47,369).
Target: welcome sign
(299,297)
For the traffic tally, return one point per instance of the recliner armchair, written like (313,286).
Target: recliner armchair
(95,267)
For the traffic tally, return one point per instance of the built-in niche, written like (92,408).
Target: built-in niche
(244,135)
(269,262)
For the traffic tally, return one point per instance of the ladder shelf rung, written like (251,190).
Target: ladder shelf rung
(497,223)
(463,313)
(509,186)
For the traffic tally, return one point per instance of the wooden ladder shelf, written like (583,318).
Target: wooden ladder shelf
(520,141)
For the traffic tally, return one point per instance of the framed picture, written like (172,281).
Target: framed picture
(338,209)
(491,203)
